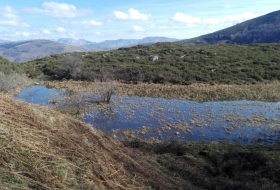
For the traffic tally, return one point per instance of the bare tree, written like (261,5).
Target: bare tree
(78,103)
(107,91)
(71,68)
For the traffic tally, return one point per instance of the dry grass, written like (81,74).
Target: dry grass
(269,91)
(42,149)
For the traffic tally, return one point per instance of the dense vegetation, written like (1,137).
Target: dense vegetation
(11,76)
(263,29)
(177,64)
(8,67)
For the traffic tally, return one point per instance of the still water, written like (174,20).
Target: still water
(235,121)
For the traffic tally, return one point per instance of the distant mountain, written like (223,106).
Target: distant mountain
(23,51)
(4,41)
(29,50)
(73,42)
(263,29)
(114,44)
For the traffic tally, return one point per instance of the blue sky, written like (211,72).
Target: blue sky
(124,19)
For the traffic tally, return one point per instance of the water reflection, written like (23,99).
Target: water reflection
(239,121)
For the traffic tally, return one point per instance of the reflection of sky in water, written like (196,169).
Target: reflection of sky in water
(37,95)
(245,121)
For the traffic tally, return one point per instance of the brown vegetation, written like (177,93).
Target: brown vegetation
(42,149)
(10,82)
(269,91)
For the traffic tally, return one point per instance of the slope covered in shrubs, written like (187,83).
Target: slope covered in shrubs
(166,63)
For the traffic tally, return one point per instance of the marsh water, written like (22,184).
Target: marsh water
(157,118)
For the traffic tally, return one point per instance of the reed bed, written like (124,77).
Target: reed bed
(269,91)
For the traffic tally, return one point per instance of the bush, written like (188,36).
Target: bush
(10,82)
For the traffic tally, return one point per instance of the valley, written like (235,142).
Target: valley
(150,113)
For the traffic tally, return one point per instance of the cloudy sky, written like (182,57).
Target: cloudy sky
(98,20)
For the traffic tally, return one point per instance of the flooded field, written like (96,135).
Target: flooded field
(158,118)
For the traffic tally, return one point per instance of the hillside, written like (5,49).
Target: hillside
(29,50)
(263,29)
(43,149)
(166,63)
(8,67)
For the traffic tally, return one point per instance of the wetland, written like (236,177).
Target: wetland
(156,118)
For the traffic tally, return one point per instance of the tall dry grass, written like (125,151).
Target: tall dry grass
(269,91)
(43,149)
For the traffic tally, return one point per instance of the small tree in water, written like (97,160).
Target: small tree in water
(107,92)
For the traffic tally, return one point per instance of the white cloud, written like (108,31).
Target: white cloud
(230,19)
(138,29)
(8,12)
(26,34)
(97,33)
(60,10)
(234,19)
(211,21)
(46,32)
(186,19)
(60,29)
(121,15)
(132,14)
(11,18)
(162,27)
(136,15)
(92,23)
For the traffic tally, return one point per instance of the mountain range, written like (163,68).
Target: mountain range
(114,44)
(263,29)
(23,51)
(29,50)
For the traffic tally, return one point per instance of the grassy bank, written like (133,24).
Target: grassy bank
(43,149)
(269,91)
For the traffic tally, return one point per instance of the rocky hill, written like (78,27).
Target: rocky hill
(29,50)
(263,29)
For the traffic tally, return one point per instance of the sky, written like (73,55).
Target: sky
(101,20)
